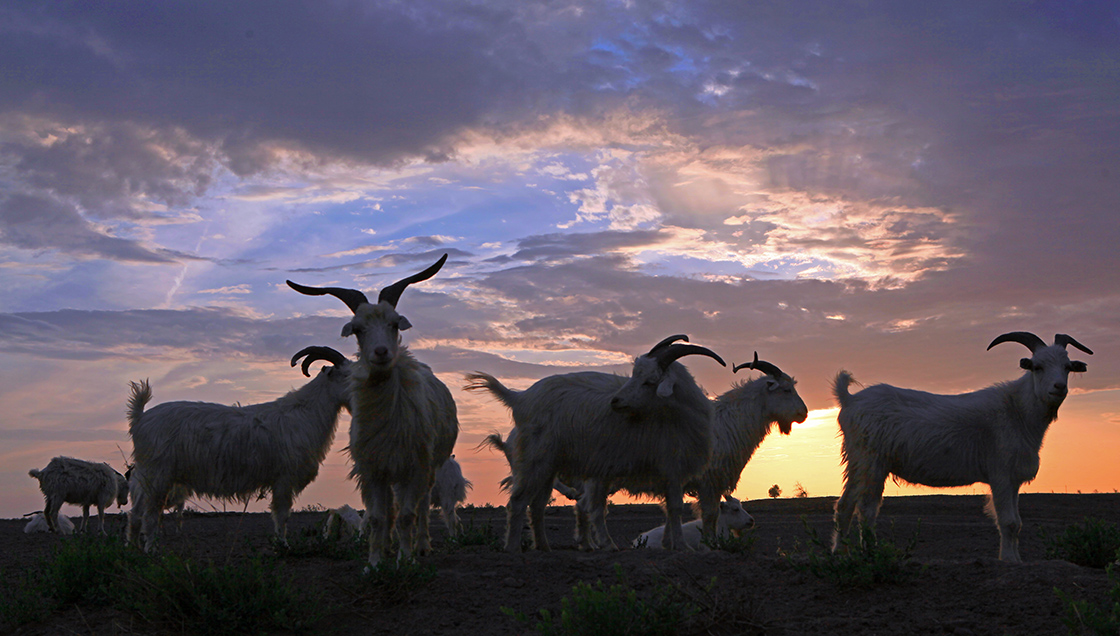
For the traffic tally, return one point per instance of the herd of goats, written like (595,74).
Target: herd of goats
(653,433)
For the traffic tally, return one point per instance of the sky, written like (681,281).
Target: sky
(876,186)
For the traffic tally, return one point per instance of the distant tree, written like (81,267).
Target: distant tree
(775,492)
(800,492)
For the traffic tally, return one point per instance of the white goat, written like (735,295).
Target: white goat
(404,422)
(742,418)
(39,523)
(991,436)
(342,523)
(450,490)
(176,500)
(654,426)
(733,518)
(76,481)
(234,452)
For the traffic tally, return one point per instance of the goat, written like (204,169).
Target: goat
(991,436)
(404,422)
(742,417)
(342,523)
(39,523)
(176,499)
(234,452)
(450,490)
(654,426)
(733,518)
(76,481)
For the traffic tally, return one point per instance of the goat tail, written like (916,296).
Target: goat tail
(840,388)
(479,381)
(495,441)
(141,395)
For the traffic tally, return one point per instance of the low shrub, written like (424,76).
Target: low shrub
(1092,542)
(870,561)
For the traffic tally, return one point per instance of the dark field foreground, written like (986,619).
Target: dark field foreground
(958,586)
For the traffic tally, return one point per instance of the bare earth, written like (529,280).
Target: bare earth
(963,588)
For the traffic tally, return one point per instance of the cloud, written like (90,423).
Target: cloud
(44,223)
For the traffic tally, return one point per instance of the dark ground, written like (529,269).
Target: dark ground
(963,588)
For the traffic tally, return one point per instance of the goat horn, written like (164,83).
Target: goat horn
(671,353)
(352,297)
(668,341)
(392,293)
(1025,338)
(759,365)
(318,353)
(1062,340)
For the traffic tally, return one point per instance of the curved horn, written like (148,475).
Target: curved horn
(759,365)
(1025,338)
(352,297)
(668,341)
(671,353)
(318,353)
(1062,340)
(392,293)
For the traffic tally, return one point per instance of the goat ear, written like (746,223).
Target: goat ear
(1078,366)
(403,324)
(771,384)
(347,330)
(665,388)
(1027,364)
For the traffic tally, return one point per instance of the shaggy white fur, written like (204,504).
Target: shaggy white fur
(991,436)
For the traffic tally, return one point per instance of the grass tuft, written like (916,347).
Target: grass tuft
(867,563)
(1083,617)
(1093,543)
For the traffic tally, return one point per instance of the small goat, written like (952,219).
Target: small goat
(654,426)
(176,500)
(234,452)
(742,418)
(450,490)
(404,422)
(76,481)
(39,523)
(991,436)
(732,520)
(342,523)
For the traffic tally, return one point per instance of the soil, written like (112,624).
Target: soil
(958,587)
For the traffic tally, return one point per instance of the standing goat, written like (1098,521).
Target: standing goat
(654,426)
(991,436)
(404,423)
(234,452)
(448,491)
(742,418)
(76,481)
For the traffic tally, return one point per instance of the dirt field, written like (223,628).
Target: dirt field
(963,588)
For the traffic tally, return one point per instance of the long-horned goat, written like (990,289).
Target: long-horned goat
(991,436)
(741,419)
(76,481)
(404,422)
(654,426)
(234,452)
(733,519)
